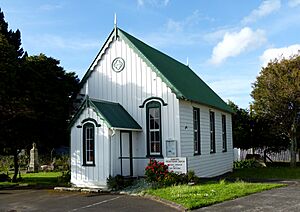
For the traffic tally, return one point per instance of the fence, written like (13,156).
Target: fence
(283,156)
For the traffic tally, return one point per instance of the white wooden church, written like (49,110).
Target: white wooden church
(140,103)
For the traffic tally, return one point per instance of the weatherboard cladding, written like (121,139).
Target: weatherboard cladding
(179,77)
(116,115)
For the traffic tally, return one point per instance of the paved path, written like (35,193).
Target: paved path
(285,199)
(49,200)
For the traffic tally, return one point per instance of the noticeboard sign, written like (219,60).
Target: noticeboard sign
(176,164)
(171,147)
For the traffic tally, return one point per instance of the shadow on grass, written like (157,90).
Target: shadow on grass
(41,180)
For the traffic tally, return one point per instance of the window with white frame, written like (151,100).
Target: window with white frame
(196,127)
(224,139)
(88,144)
(212,132)
(154,146)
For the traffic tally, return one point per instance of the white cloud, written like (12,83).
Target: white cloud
(234,88)
(189,21)
(235,43)
(156,3)
(294,3)
(264,9)
(279,53)
(178,32)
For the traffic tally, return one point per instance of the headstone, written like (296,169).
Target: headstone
(34,160)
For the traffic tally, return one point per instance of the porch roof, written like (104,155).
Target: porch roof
(115,114)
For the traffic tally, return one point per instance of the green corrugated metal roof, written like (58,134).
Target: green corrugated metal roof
(181,79)
(116,115)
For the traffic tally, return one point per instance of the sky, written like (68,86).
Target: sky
(225,42)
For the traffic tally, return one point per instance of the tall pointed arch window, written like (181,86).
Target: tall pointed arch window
(154,131)
(88,144)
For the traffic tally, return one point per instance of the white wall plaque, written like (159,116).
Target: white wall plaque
(176,164)
(171,148)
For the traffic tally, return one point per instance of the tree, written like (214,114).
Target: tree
(276,95)
(11,103)
(253,131)
(241,127)
(35,97)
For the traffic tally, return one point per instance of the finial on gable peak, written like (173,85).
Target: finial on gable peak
(115,20)
(115,27)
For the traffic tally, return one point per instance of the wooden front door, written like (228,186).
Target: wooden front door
(126,153)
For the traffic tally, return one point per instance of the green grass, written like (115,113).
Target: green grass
(267,173)
(197,196)
(41,179)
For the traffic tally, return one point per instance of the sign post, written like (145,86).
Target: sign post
(177,165)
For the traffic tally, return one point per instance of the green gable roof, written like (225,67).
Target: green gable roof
(181,79)
(115,115)
(112,113)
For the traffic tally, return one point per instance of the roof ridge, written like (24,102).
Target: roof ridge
(103,101)
(153,48)
(182,80)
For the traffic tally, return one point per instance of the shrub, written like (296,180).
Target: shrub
(62,163)
(6,163)
(65,177)
(156,171)
(4,178)
(245,164)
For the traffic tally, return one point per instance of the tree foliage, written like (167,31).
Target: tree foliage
(253,131)
(241,127)
(276,95)
(35,97)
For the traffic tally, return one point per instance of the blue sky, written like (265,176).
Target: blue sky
(226,42)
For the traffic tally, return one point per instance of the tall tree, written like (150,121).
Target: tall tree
(35,97)
(276,95)
(241,127)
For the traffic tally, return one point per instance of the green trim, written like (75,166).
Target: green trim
(101,115)
(89,71)
(148,62)
(153,98)
(186,84)
(91,120)
(116,115)
(77,114)
(183,82)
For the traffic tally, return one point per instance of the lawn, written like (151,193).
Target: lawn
(41,179)
(192,197)
(267,173)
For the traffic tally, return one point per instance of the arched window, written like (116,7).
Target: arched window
(154,134)
(88,144)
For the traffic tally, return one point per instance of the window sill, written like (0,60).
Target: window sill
(197,154)
(154,156)
(88,165)
(224,150)
(213,152)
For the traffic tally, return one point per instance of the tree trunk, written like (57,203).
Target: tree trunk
(294,148)
(16,167)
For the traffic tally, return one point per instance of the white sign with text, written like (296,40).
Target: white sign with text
(176,164)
